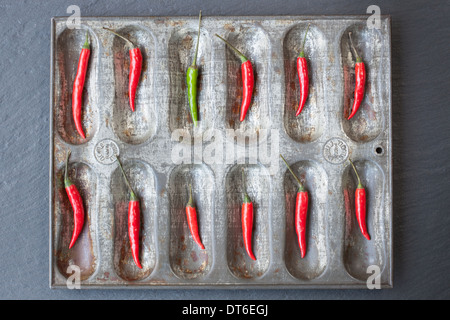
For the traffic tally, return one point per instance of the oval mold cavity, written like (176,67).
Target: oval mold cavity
(315,183)
(258,184)
(187,259)
(360,253)
(367,123)
(68,49)
(308,125)
(83,253)
(254,44)
(142,180)
(182,45)
(138,126)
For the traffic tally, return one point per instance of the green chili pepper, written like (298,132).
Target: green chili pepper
(191,79)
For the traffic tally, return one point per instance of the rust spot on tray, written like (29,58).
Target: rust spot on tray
(229,27)
(176,23)
(187,42)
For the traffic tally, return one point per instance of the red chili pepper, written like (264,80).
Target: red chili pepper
(301,212)
(78,85)
(360,205)
(248,80)
(302,70)
(134,220)
(247,221)
(360,80)
(77,205)
(135,68)
(191,214)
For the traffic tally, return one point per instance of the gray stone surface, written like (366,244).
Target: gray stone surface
(420,145)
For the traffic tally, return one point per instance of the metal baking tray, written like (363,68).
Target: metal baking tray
(162,153)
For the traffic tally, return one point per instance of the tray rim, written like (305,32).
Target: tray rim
(199,286)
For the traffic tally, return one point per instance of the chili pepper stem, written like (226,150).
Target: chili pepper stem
(358,58)
(302,54)
(131,44)
(133,196)
(194,63)
(246,197)
(301,187)
(191,199)
(67,160)
(86,43)
(243,58)
(357,175)
(67,181)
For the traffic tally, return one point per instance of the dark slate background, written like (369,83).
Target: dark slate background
(421,140)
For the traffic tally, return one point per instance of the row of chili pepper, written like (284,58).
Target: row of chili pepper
(247,214)
(192,79)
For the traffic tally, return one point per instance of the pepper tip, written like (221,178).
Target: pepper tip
(81,132)
(137,262)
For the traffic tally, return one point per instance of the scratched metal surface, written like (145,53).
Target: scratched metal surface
(150,141)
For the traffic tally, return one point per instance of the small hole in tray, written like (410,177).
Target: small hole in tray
(379,150)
